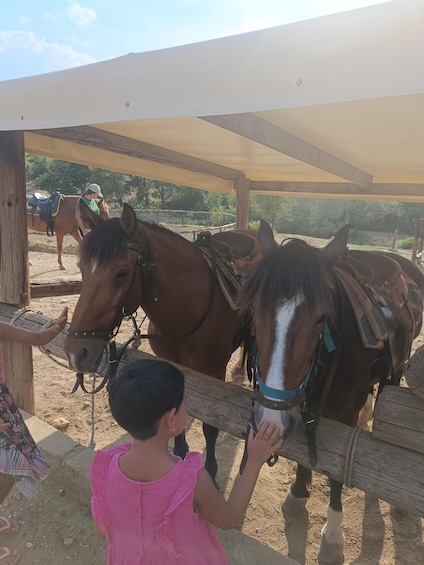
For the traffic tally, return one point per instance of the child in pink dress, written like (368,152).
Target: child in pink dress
(153,507)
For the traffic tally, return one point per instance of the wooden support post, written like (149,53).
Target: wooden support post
(242,188)
(14,275)
(418,241)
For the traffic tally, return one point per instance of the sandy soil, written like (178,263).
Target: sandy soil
(56,529)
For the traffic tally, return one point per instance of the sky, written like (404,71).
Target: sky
(40,36)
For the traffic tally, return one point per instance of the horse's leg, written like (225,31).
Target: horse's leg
(366,413)
(180,445)
(298,494)
(76,234)
(332,538)
(237,372)
(238,365)
(211,465)
(59,243)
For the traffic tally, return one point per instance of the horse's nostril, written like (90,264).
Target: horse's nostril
(82,354)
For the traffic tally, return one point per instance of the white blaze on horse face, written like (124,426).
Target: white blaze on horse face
(94,265)
(285,420)
(284,318)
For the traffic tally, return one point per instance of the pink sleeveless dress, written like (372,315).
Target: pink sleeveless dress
(152,523)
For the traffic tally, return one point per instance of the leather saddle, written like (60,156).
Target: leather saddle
(240,247)
(46,207)
(386,299)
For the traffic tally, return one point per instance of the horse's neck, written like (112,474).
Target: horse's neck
(183,281)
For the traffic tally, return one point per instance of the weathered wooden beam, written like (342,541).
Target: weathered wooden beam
(242,188)
(353,456)
(259,130)
(100,139)
(414,372)
(55,288)
(342,190)
(399,418)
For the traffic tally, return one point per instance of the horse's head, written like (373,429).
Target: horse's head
(290,298)
(103,208)
(109,257)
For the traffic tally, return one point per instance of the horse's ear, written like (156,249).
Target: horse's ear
(266,238)
(90,218)
(337,246)
(128,220)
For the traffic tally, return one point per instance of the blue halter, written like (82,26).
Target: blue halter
(287,395)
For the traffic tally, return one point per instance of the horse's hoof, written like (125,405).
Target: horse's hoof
(330,553)
(293,506)
(62,267)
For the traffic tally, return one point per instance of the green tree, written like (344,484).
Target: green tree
(69,178)
(266,207)
(35,166)
(112,184)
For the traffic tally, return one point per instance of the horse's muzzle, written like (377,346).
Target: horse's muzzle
(84,355)
(285,420)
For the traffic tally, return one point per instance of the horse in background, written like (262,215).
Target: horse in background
(127,263)
(329,324)
(63,223)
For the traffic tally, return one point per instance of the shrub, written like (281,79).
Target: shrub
(406,243)
(254,225)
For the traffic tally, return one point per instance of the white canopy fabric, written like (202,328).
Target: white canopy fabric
(330,107)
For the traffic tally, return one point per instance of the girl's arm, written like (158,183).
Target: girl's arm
(226,514)
(20,335)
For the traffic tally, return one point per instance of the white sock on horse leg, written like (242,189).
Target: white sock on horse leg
(332,530)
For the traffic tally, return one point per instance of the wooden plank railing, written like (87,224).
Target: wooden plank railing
(352,456)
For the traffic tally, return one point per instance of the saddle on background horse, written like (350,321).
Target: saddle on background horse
(241,248)
(227,277)
(46,207)
(382,295)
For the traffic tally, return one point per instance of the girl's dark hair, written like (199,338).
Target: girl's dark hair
(142,392)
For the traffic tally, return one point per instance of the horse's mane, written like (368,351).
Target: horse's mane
(293,269)
(107,240)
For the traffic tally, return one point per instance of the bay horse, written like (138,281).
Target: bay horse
(328,323)
(64,222)
(126,263)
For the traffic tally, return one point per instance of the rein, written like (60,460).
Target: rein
(115,356)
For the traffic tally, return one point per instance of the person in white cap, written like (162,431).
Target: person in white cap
(89,197)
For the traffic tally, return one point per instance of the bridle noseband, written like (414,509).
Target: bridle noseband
(278,399)
(145,268)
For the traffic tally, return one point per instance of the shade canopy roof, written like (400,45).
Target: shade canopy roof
(331,107)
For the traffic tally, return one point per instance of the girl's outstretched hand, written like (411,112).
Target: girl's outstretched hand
(267,441)
(61,320)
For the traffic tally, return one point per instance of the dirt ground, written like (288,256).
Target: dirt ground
(55,529)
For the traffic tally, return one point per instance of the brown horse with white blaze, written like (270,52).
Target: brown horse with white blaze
(329,324)
(127,263)
(64,223)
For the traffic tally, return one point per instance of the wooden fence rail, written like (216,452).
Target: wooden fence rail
(55,288)
(353,456)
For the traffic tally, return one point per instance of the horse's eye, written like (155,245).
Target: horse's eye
(321,319)
(121,275)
